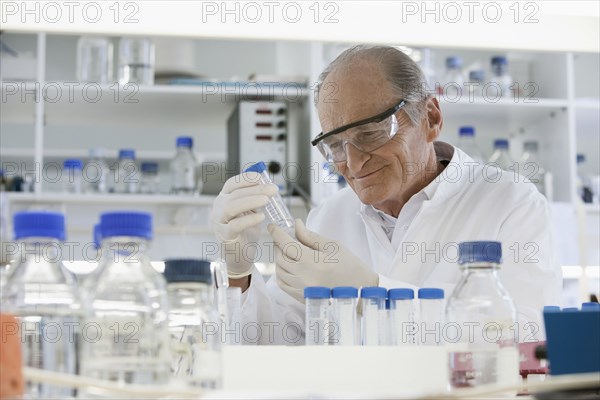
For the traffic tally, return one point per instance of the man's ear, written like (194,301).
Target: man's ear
(434,119)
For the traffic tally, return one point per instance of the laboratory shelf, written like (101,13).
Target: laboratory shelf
(17,102)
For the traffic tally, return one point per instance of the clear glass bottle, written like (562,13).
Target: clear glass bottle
(150,180)
(127,177)
(194,323)
(72,176)
(317,315)
(128,304)
(431,314)
(500,78)
(466,142)
(183,168)
(96,172)
(373,315)
(501,157)
(276,209)
(136,61)
(531,168)
(453,80)
(343,304)
(44,297)
(402,326)
(484,316)
(94,59)
(476,83)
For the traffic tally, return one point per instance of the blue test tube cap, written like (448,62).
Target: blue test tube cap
(570,309)
(373,292)
(126,223)
(401,294)
(45,224)
(551,308)
(259,167)
(466,131)
(344,292)
(590,306)
(317,292)
(431,293)
(127,154)
(73,163)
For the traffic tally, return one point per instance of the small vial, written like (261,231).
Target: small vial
(402,317)
(72,176)
(150,181)
(373,315)
(501,156)
(432,315)
(551,308)
(127,176)
(276,210)
(344,301)
(317,315)
(500,78)
(97,172)
(590,306)
(476,83)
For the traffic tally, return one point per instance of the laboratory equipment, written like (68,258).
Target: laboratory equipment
(128,306)
(466,142)
(402,327)
(136,61)
(453,81)
(72,176)
(584,185)
(150,181)
(476,83)
(481,319)
(276,210)
(44,297)
(233,323)
(373,315)
(194,323)
(590,306)
(183,168)
(344,318)
(531,168)
(94,59)
(431,314)
(96,172)
(500,79)
(127,177)
(317,324)
(501,157)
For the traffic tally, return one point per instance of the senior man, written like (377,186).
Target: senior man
(411,200)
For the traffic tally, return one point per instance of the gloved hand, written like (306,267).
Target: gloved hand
(315,260)
(236,220)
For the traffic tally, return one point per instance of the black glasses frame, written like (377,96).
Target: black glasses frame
(377,118)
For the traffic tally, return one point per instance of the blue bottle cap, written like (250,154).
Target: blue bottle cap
(401,294)
(46,224)
(259,167)
(149,167)
(187,270)
(128,154)
(551,308)
(590,306)
(185,141)
(344,292)
(499,60)
(97,236)
(501,144)
(431,293)
(72,163)
(570,309)
(387,304)
(126,223)
(580,158)
(374,292)
(453,62)
(317,292)
(466,131)
(477,75)
(480,251)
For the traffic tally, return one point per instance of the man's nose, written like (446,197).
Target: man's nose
(355,157)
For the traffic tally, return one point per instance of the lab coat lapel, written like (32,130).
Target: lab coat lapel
(382,252)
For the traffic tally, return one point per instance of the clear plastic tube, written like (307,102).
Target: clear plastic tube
(431,304)
(344,300)
(373,313)
(317,315)
(401,317)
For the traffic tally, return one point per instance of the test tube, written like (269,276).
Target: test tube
(373,315)
(276,210)
(401,317)
(317,315)
(344,300)
(431,302)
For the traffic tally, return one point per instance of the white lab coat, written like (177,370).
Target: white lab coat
(471,202)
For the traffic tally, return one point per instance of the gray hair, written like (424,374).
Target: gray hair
(403,74)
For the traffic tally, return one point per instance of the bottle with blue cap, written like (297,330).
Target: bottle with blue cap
(500,82)
(276,210)
(127,178)
(128,304)
(453,80)
(317,321)
(402,327)
(431,316)
(96,172)
(501,157)
(71,176)
(481,318)
(467,143)
(150,180)
(475,84)
(373,315)
(194,325)
(343,303)
(183,168)
(44,297)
